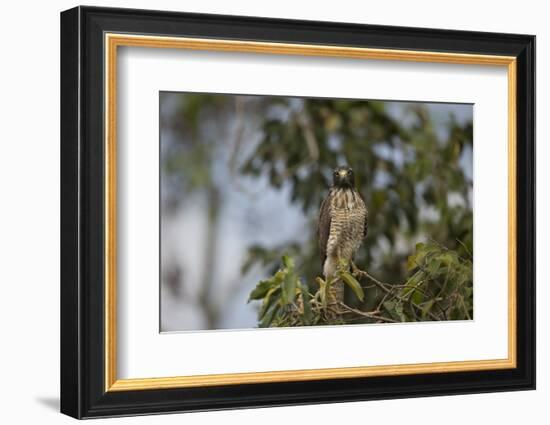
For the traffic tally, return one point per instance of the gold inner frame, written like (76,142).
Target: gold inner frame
(113,41)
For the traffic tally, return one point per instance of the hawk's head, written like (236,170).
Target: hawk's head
(343,177)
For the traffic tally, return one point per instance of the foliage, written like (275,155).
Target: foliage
(279,296)
(441,283)
(439,288)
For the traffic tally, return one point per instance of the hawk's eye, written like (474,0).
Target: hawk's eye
(350,172)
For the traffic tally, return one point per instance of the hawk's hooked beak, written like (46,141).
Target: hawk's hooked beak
(343,173)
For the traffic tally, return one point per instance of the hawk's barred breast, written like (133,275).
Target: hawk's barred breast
(348,215)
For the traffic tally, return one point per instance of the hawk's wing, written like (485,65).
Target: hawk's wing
(323,227)
(365,227)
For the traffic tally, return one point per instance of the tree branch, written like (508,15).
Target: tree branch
(389,288)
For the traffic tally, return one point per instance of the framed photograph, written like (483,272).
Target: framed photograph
(261,212)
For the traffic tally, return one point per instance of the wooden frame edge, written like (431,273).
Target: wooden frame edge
(114,40)
(306,375)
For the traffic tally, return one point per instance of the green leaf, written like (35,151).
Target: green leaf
(420,246)
(413,280)
(260,290)
(279,277)
(411,262)
(268,317)
(289,288)
(448,258)
(411,288)
(389,305)
(395,309)
(269,299)
(422,252)
(426,308)
(323,290)
(399,312)
(288,262)
(433,266)
(353,284)
(416,297)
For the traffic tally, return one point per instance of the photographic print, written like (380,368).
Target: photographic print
(287,211)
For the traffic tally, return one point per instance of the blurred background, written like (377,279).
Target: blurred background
(242,178)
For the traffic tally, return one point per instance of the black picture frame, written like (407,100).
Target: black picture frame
(83,392)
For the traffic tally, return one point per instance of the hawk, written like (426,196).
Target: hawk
(342,226)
